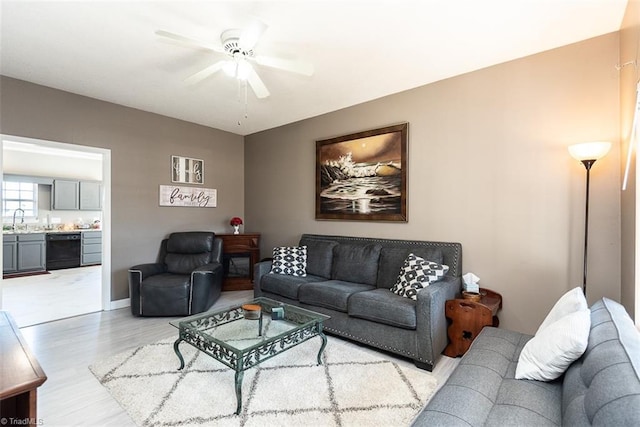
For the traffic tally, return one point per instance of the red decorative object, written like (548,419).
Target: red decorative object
(235,221)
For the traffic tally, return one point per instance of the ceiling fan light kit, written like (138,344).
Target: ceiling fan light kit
(239,46)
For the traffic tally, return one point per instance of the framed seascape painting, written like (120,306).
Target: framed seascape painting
(363,176)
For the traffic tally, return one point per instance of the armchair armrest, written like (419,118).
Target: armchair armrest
(208,268)
(206,282)
(137,274)
(146,270)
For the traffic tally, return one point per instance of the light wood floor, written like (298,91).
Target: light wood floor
(72,396)
(58,295)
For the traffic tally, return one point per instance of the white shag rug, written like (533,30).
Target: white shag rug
(352,387)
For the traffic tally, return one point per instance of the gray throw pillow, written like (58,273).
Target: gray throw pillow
(319,256)
(356,263)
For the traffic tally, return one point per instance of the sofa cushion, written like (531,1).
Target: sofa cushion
(289,260)
(333,294)
(552,350)
(286,286)
(319,256)
(381,306)
(603,386)
(482,390)
(392,259)
(417,273)
(356,263)
(568,303)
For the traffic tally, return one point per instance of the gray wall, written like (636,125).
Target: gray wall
(488,167)
(141,146)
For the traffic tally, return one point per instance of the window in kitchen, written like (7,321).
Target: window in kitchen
(19,195)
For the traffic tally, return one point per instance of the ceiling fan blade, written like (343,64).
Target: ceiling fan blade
(203,74)
(256,84)
(292,65)
(250,35)
(190,41)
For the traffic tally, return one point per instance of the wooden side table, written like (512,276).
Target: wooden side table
(468,318)
(240,252)
(21,375)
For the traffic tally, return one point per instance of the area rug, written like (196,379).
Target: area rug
(352,387)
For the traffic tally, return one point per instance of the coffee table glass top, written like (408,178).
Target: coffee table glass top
(229,328)
(242,339)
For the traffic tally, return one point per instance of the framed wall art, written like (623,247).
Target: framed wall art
(363,176)
(185,170)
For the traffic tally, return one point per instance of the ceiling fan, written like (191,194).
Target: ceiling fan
(238,46)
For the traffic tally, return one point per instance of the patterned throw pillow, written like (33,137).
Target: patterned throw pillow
(417,273)
(290,260)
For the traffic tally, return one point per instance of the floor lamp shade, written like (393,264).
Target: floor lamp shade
(588,153)
(589,150)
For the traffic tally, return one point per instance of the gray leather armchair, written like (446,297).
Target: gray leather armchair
(187,279)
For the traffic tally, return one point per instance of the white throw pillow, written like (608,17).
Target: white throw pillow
(568,303)
(416,274)
(289,260)
(548,355)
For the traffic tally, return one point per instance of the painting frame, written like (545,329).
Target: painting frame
(363,176)
(187,170)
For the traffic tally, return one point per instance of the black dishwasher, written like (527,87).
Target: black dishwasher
(63,250)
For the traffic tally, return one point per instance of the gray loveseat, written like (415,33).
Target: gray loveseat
(600,388)
(348,278)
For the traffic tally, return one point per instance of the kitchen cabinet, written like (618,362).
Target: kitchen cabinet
(9,254)
(91,252)
(90,195)
(73,195)
(23,252)
(65,195)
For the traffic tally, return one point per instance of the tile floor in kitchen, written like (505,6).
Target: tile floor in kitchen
(62,293)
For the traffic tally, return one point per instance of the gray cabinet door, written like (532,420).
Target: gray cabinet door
(65,195)
(90,196)
(9,257)
(31,256)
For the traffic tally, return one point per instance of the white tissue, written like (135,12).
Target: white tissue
(471,282)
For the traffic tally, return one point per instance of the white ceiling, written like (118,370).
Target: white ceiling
(361,50)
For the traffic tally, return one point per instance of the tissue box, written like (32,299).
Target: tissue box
(277,313)
(471,287)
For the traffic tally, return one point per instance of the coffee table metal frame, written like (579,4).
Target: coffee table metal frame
(192,330)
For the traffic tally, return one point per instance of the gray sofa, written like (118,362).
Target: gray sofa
(348,278)
(600,388)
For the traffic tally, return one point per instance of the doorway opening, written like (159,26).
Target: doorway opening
(43,296)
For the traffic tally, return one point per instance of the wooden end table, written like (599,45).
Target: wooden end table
(468,318)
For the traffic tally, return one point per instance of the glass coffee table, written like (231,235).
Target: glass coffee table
(243,342)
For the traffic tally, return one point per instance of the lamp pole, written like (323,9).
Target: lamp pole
(587,153)
(587,164)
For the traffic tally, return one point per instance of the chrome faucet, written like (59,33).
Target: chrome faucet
(14,218)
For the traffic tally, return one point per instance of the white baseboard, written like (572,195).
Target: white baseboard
(121,303)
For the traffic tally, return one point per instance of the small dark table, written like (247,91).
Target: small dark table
(468,318)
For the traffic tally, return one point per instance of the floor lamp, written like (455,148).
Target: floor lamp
(588,153)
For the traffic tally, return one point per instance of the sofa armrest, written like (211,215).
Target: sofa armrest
(259,270)
(431,322)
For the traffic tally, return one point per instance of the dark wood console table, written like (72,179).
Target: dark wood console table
(20,376)
(468,318)
(240,252)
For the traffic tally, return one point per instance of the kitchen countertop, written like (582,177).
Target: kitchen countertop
(79,230)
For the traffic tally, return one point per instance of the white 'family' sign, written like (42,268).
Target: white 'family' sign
(172,195)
